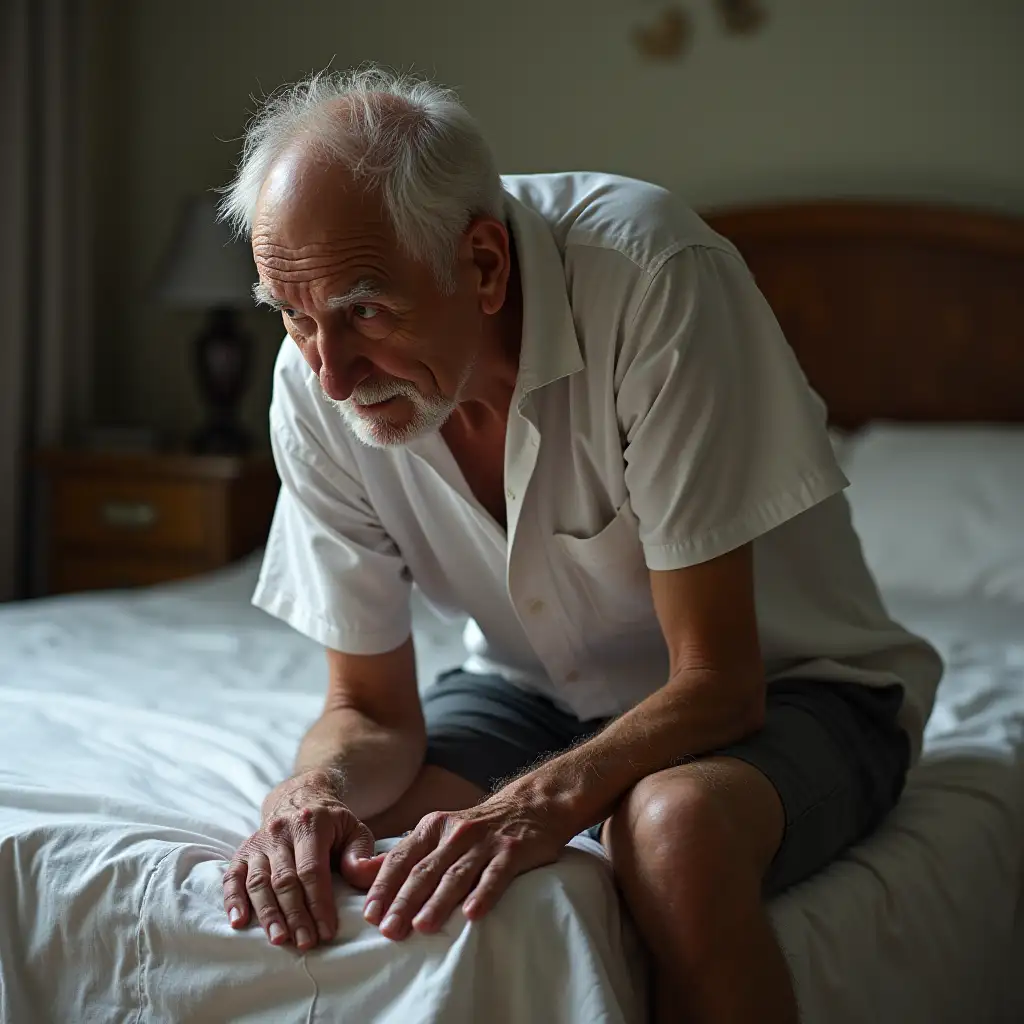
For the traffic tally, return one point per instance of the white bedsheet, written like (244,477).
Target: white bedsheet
(924,923)
(139,733)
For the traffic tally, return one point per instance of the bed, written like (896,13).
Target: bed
(139,731)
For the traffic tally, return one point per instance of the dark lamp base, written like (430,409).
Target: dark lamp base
(222,362)
(223,438)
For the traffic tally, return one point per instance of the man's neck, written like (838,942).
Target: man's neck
(489,398)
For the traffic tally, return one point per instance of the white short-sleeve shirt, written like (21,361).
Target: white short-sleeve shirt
(659,420)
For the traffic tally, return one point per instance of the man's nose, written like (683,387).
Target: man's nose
(342,364)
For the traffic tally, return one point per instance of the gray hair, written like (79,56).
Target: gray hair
(408,138)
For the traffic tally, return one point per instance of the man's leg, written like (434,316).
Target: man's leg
(434,789)
(690,847)
(480,729)
(696,848)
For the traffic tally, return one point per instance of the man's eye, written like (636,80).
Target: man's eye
(364,312)
(293,314)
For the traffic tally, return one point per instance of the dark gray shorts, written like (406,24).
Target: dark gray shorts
(834,752)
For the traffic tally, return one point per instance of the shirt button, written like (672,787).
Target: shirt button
(510,494)
(572,677)
(536,606)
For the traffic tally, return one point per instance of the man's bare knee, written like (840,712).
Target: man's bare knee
(696,838)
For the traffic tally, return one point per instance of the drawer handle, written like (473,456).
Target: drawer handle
(129,515)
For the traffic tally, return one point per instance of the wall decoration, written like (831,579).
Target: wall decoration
(741,17)
(668,34)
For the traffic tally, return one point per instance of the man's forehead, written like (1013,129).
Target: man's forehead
(299,170)
(304,193)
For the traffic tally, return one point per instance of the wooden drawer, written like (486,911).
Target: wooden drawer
(145,515)
(136,519)
(76,572)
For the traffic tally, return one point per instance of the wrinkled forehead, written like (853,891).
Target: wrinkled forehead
(306,201)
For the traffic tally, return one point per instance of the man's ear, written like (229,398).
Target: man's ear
(486,243)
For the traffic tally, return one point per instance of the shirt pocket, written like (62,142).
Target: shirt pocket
(606,581)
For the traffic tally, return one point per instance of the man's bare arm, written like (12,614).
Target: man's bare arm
(356,760)
(715,694)
(370,738)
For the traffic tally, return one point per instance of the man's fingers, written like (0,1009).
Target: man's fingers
(493,882)
(261,894)
(399,862)
(291,897)
(236,899)
(415,871)
(358,864)
(361,873)
(358,840)
(313,841)
(420,884)
(455,884)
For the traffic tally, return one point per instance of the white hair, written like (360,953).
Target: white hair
(410,139)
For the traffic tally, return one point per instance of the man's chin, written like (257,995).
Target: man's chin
(380,432)
(395,424)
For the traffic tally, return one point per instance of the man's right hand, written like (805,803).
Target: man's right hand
(283,871)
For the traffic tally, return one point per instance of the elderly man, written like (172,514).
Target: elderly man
(557,403)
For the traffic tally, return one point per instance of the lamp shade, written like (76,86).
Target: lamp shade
(205,266)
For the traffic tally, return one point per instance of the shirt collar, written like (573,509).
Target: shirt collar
(550,349)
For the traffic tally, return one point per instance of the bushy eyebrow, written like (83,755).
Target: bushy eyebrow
(265,297)
(365,289)
(361,291)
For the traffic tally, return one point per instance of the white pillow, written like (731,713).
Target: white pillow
(940,509)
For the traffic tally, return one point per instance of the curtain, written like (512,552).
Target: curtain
(45,279)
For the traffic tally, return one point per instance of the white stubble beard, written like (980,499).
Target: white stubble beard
(429,413)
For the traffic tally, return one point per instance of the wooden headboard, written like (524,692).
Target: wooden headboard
(895,312)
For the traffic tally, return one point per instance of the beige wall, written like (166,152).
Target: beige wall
(910,98)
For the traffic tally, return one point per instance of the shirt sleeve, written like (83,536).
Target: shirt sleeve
(724,438)
(330,569)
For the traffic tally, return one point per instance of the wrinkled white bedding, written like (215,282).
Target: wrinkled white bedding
(139,732)
(138,735)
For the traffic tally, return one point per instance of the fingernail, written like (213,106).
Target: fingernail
(325,932)
(302,937)
(391,923)
(234,915)
(373,911)
(277,932)
(420,920)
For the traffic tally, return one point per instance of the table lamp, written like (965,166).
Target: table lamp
(206,268)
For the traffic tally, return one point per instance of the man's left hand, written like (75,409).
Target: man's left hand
(467,856)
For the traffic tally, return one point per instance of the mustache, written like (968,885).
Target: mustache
(372,392)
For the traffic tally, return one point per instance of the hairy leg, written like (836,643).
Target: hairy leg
(434,789)
(690,847)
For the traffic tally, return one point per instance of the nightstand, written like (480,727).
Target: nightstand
(128,520)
